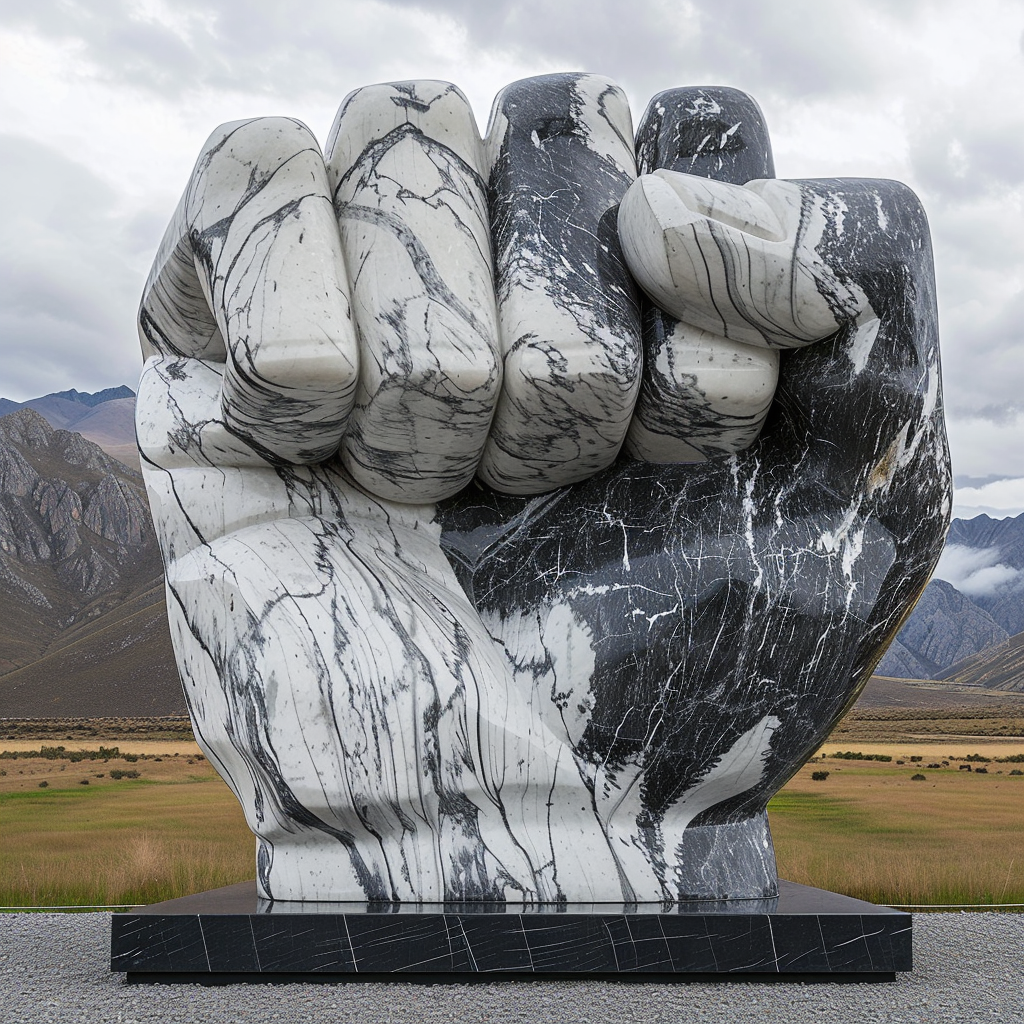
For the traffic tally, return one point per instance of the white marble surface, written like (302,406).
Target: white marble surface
(703,396)
(254,236)
(746,262)
(405,165)
(385,738)
(545,697)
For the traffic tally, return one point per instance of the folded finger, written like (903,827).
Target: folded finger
(265,244)
(561,156)
(702,395)
(405,162)
(741,261)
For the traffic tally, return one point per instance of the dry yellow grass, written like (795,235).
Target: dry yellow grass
(930,751)
(175,830)
(160,748)
(870,831)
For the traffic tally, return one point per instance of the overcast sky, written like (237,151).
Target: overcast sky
(104,105)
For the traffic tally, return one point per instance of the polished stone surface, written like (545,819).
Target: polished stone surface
(586,695)
(231,931)
(251,266)
(405,164)
(560,151)
(701,396)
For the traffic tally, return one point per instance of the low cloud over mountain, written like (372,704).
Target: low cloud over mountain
(973,605)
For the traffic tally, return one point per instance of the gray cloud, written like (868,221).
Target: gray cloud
(68,288)
(791,50)
(974,143)
(255,47)
(984,367)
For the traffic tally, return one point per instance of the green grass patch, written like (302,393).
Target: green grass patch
(127,843)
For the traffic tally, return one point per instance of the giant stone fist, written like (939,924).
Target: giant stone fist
(488,577)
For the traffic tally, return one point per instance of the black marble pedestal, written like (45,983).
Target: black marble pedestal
(229,935)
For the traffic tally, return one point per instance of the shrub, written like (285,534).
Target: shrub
(43,784)
(978,758)
(856,755)
(1011,759)
(819,776)
(917,777)
(83,782)
(1017,771)
(916,757)
(981,771)
(123,773)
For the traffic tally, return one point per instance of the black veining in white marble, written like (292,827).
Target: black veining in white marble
(406,166)
(581,696)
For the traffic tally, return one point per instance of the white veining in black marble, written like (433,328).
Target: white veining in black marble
(560,152)
(702,396)
(587,695)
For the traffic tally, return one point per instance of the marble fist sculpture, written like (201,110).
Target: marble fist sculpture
(490,576)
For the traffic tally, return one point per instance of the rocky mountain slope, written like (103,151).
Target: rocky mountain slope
(81,596)
(105,417)
(944,628)
(970,616)
(996,668)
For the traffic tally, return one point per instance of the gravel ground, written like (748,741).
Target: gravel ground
(970,968)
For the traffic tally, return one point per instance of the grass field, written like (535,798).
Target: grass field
(868,830)
(175,829)
(871,831)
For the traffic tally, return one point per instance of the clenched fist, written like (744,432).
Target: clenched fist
(491,576)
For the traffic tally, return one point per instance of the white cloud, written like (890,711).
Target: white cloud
(977,572)
(70,274)
(997,498)
(927,91)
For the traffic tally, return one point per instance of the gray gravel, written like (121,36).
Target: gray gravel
(970,968)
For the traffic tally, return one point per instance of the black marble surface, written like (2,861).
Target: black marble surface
(231,932)
(590,693)
(748,597)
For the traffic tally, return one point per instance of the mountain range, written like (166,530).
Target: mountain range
(83,630)
(106,418)
(968,626)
